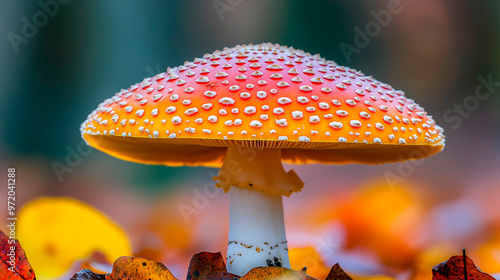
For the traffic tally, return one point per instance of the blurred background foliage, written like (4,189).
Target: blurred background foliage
(434,50)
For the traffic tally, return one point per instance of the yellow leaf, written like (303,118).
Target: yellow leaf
(56,232)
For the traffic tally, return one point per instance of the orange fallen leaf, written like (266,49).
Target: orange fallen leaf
(129,268)
(13,262)
(138,268)
(457,267)
(262,273)
(207,265)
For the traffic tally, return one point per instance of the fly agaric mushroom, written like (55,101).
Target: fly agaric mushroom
(246,110)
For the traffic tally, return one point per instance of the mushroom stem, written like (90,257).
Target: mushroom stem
(256,181)
(256,231)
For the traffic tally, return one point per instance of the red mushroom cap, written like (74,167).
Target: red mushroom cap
(262,96)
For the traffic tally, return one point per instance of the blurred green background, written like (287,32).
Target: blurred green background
(436,51)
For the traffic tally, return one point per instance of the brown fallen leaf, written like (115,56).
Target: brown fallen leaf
(13,262)
(337,273)
(455,269)
(207,265)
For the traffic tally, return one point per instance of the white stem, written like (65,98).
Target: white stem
(257,231)
(256,181)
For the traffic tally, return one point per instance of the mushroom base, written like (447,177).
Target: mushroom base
(257,231)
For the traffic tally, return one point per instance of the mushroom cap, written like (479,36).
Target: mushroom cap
(262,96)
